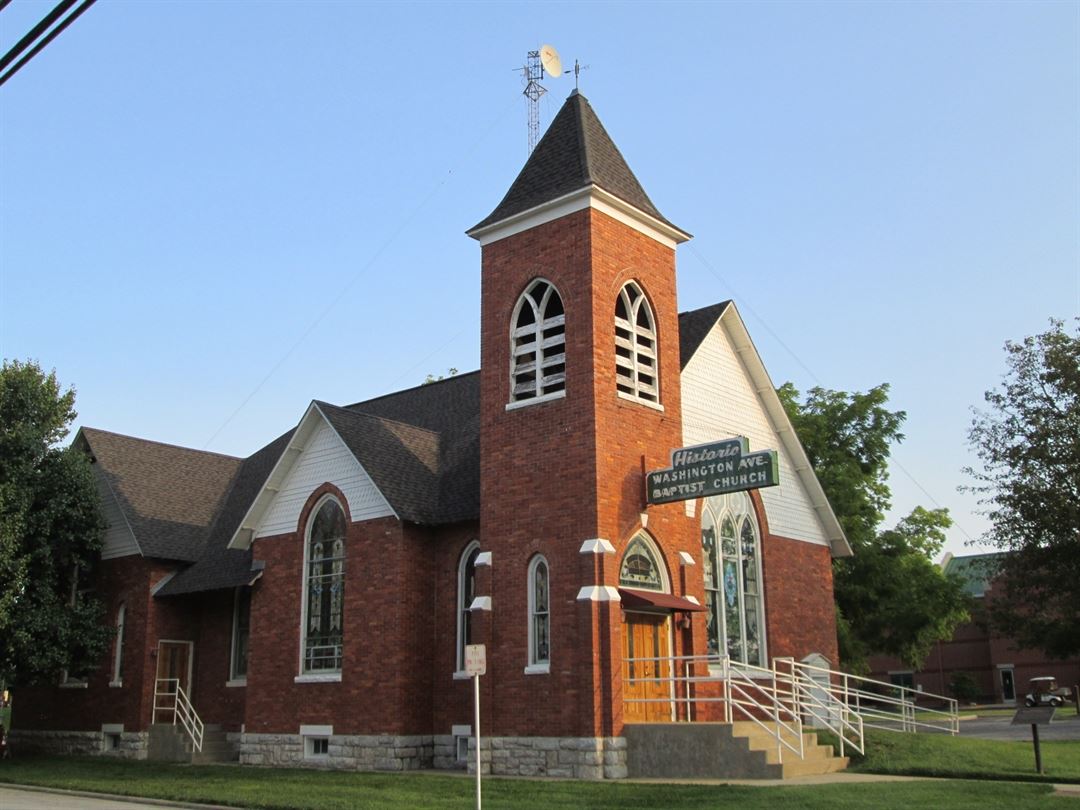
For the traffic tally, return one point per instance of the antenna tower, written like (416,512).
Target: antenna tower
(546,58)
(534,91)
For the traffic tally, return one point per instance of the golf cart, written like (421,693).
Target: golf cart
(1046,692)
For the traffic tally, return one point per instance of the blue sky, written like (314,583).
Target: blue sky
(212,213)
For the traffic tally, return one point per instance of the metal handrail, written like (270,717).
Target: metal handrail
(818,703)
(181,709)
(871,700)
(749,692)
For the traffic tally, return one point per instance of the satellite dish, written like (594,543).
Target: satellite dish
(549,58)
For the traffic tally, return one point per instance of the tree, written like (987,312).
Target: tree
(1029,445)
(50,534)
(890,596)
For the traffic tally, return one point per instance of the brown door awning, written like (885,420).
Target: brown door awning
(633,598)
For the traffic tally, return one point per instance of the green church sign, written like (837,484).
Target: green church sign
(712,469)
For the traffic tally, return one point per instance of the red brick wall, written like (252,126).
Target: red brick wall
(397,586)
(214,701)
(126,580)
(800,613)
(555,474)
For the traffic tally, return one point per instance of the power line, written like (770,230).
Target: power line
(35,33)
(356,277)
(745,305)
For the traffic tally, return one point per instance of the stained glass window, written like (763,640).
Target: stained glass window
(466,594)
(640,568)
(539,613)
(732,572)
(325,584)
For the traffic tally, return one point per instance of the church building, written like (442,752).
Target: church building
(615,505)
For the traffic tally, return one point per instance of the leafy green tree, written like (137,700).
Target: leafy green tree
(50,534)
(1029,445)
(890,596)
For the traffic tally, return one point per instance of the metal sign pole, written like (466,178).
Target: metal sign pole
(476,719)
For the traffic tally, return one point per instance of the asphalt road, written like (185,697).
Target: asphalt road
(15,799)
(1066,726)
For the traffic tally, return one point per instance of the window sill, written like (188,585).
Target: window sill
(538,669)
(462,675)
(525,403)
(656,406)
(329,677)
(74,685)
(116,684)
(239,682)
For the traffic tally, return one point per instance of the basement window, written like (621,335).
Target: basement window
(316,741)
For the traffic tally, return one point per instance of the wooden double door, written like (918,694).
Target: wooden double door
(647,685)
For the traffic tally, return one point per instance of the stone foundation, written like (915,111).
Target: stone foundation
(571,757)
(133,745)
(346,752)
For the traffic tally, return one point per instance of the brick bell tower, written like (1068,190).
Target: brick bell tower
(580,393)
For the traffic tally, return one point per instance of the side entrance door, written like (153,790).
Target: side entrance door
(647,696)
(173,669)
(1008,687)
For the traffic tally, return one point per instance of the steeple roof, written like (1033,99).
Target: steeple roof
(576,152)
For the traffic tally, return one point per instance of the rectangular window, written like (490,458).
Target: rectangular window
(904,679)
(241,632)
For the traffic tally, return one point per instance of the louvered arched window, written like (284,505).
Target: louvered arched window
(538,344)
(636,373)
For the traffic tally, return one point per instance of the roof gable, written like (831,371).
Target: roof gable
(743,387)
(314,453)
(168,495)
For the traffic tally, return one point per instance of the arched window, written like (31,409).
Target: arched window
(731,547)
(636,374)
(539,614)
(538,344)
(641,566)
(466,591)
(324,588)
(118,652)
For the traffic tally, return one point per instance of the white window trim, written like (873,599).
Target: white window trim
(718,514)
(318,677)
(118,651)
(459,636)
(525,403)
(656,406)
(534,666)
(303,676)
(536,328)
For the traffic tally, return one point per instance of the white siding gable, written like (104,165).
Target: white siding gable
(324,458)
(119,540)
(719,401)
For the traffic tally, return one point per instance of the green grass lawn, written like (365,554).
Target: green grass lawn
(300,789)
(967,758)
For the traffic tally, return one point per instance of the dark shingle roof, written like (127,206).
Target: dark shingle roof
(437,426)
(221,566)
(420,446)
(169,495)
(575,152)
(694,326)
